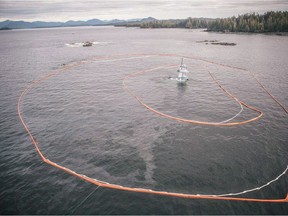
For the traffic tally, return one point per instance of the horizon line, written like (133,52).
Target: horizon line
(85,20)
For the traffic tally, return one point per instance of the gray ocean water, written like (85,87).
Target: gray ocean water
(85,121)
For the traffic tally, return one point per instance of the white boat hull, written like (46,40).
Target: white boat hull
(182,73)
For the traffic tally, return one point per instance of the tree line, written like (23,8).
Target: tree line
(182,23)
(252,22)
(268,22)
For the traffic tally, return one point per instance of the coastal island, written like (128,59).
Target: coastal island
(252,22)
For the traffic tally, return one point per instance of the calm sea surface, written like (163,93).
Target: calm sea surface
(85,121)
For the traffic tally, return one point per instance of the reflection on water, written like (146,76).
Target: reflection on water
(182,86)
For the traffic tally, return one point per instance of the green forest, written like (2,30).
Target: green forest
(185,23)
(268,22)
(252,22)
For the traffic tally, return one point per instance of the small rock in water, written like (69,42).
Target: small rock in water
(87,44)
(224,44)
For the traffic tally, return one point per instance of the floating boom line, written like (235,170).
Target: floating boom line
(103,184)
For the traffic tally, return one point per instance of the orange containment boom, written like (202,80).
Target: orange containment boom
(227,197)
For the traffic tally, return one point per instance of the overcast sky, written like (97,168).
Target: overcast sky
(64,10)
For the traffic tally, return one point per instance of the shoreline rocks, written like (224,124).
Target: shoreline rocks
(216,42)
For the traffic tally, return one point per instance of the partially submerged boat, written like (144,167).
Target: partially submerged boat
(182,73)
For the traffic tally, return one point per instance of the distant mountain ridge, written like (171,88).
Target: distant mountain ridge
(8,24)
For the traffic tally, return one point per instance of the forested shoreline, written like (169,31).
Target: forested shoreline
(268,22)
(255,23)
